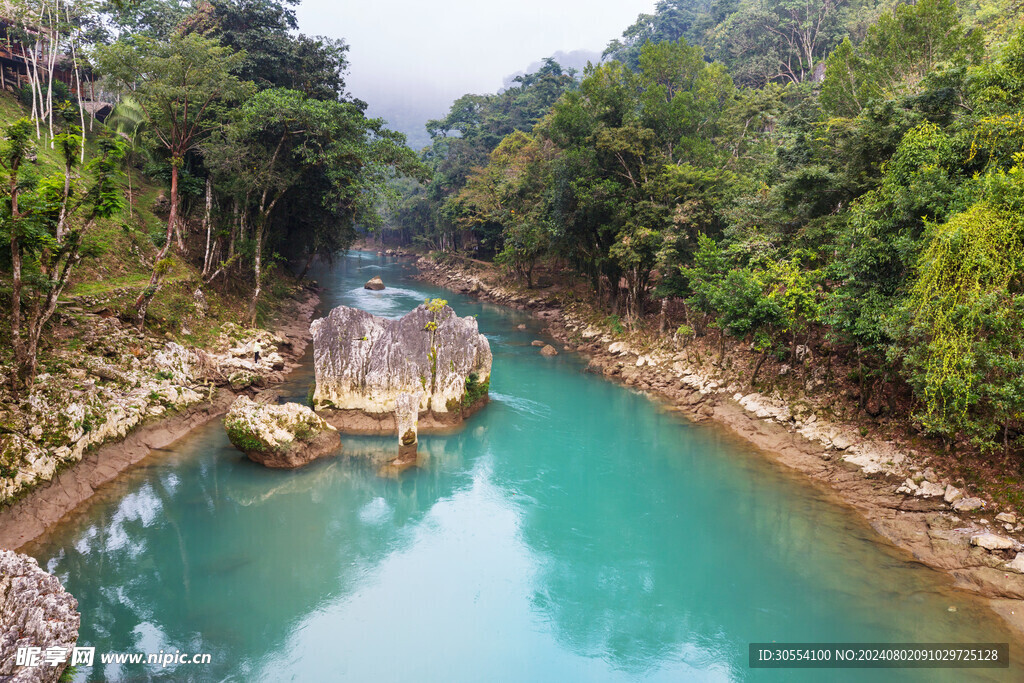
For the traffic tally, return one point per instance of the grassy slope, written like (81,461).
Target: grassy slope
(126,245)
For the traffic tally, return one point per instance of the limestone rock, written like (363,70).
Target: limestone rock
(952,494)
(242,379)
(549,350)
(175,361)
(35,611)
(407,413)
(364,362)
(1006,518)
(284,436)
(841,442)
(1016,564)
(968,504)
(993,542)
(375,284)
(929,490)
(618,348)
(908,487)
(537,342)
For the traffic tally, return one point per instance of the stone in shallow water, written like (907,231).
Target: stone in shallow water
(281,436)
(374,283)
(549,350)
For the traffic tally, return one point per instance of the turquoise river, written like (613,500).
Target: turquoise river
(572,531)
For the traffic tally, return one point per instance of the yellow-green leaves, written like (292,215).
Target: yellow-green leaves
(965,270)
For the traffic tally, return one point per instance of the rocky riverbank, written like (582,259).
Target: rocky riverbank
(117,397)
(890,483)
(35,611)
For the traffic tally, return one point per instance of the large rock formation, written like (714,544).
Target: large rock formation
(285,436)
(35,612)
(368,366)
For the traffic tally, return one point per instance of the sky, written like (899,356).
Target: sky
(411,58)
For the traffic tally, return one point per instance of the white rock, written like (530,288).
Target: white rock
(908,487)
(287,435)
(930,490)
(841,442)
(993,542)
(364,362)
(952,494)
(968,504)
(1006,518)
(1016,564)
(618,348)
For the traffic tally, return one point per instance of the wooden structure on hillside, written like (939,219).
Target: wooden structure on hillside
(16,63)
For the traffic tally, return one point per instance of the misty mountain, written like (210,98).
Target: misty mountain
(408,111)
(577,59)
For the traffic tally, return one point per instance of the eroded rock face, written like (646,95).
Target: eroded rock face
(365,363)
(283,436)
(35,611)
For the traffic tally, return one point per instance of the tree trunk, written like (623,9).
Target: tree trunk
(36,89)
(174,204)
(131,207)
(306,265)
(155,281)
(49,84)
(16,341)
(662,316)
(257,269)
(206,221)
(757,369)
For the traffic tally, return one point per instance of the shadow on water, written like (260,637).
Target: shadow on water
(571,531)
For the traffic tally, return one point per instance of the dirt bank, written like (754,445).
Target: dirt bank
(47,504)
(885,482)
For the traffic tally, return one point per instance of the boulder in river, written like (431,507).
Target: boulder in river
(35,612)
(549,350)
(374,283)
(282,436)
(364,363)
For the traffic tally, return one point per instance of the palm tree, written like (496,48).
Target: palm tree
(128,120)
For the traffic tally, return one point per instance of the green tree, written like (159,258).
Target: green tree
(900,51)
(48,225)
(180,85)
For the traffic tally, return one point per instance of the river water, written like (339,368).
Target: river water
(572,530)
